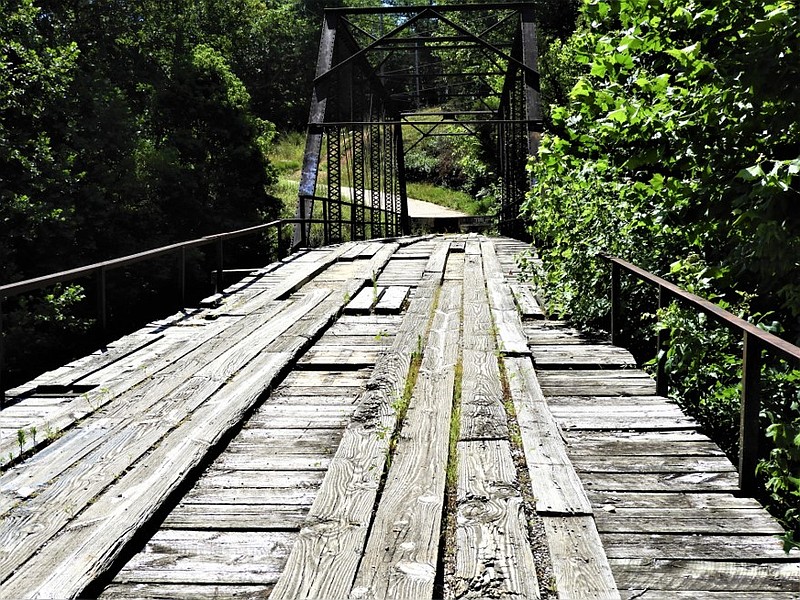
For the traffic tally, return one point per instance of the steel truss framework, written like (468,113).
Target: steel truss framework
(423,68)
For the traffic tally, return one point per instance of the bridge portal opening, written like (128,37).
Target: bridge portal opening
(444,70)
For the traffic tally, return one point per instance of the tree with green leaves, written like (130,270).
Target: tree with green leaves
(675,146)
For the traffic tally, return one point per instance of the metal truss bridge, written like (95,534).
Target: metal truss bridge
(468,70)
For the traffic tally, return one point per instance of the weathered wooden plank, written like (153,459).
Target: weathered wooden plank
(341,355)
(579,561)
(333,378)
(645,421)
(693,547)
(438,260)
(640,443)
(653,464)
(392,299)
(342,511)
(265,459)
(482,413)
(626,382)
(355,250)
(283,496)
(365,300)
(691,575)
(455,266)
(402,548)
(237,516)
(554,482)
(649,594)
(581,356)
(185,591)
(553,332)
(749,521)
(94,537)
(669,500)
(661,482)
(493,556)
(211,557)
(525,295)
(510,335)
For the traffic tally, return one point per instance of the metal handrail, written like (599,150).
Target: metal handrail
(755,341)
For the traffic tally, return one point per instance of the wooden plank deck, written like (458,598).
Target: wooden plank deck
(254,448)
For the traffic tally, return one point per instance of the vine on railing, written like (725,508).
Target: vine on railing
(755,342)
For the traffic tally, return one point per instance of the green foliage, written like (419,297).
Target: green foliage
(672,142)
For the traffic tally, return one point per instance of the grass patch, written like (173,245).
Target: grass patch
(445,197)
(286,152)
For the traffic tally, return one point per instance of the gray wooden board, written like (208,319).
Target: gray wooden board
(525,295)
(110,521)
(482,413)
(170,355)
(185,591)
(510,334)
(259,460)
(706,575)
(554,482)
(438,260)
(661,482)
(392,299)
(341,355)
(364,300)
(402,548)
(576,356)
(220,517)
(674,499)
(650,594)
(493,556)
(752,521)
(610,463)
(549,333)
(695,547)
(327,378)
(211,557)
(640,443)
(579,561)
(342,511)
(455,267)
(643,420)
(626,382)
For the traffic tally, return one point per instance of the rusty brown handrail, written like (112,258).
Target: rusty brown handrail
(755,340)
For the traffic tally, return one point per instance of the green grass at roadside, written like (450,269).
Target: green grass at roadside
(445,197)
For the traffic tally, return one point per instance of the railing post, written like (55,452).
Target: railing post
(615,303)
(220,264)
(2,359)
(102,303)
(749,425)
(304,230)
(182,276)
(662,384)
(279,247)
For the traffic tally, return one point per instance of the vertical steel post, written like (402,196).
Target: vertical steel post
(102,315)
(2,358)
(182,277)
(615,303)
(220,265)
(662,384)
(749,426)
(405,225)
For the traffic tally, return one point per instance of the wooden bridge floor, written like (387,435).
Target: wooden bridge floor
(254,449)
